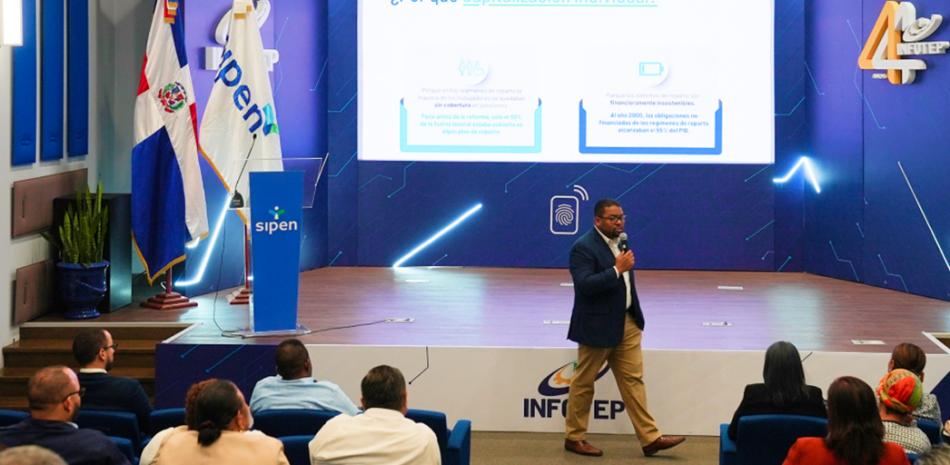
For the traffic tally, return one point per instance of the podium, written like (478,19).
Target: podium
(275,223)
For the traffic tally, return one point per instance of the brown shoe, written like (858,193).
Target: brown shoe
(663,442)
(582,447)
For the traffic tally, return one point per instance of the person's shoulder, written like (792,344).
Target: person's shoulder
(893,453)
(813,391)
(259,437)
(91,436)
(755,388)
(810,443)
(267,381)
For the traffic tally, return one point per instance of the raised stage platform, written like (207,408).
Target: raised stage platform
(489,343)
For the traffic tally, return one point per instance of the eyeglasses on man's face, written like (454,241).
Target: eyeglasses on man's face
(114,346)
(81,392)
(614,218)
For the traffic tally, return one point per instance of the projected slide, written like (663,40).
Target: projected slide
(620,81)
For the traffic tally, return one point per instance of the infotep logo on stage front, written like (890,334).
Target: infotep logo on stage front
(557,384)
(270,227)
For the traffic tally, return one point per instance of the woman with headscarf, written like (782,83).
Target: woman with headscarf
(899,394)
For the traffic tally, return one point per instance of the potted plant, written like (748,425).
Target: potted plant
(80,239)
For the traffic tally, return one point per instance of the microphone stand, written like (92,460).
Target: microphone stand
(242,296)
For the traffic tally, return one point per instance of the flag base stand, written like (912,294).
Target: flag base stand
(241,296)
(247,333)
(168,300)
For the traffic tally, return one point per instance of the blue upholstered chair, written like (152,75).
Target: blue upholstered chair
(291,422)
(125,446)
(297,449)
(455,444)
(11,417)
(765,439)
(112,423)
(165,418)
(932,430)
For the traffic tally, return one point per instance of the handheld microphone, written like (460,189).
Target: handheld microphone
(624,247)
(237,200)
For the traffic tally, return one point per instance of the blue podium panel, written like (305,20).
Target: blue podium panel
(276,212)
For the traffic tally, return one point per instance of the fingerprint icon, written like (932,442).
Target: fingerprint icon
(564,214)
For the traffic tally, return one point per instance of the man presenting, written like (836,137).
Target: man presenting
(606,323)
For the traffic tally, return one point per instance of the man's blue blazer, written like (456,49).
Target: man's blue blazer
(599,295)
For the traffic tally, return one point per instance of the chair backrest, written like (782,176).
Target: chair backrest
(291,422)
(165,418)
(125,446)
(11,417)
(297,449)
(765,439)
(112,423)
(437,423)
(932,430)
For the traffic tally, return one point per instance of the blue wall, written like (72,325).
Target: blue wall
(864,226)
(681,216)
(866,135)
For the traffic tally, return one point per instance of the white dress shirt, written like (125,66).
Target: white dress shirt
(378,436)
(614,245)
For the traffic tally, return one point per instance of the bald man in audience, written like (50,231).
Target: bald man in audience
(55,397)
(295,387)
(29,455)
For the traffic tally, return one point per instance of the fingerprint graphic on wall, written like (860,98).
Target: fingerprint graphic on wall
(564,214)
(564,211)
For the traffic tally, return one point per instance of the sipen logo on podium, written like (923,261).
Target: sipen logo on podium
(270,227)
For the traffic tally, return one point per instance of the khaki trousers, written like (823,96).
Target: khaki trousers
(626,363)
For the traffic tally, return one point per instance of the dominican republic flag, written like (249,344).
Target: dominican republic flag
(240,117)
(168,198)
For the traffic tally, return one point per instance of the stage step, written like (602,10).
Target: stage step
(44,344)
(13,379)
(44,352)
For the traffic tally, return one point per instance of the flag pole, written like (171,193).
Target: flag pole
(242,296)
(169,300)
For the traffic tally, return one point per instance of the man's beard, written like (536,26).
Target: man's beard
(109,365)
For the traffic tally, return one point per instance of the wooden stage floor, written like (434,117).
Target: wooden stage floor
(530,308)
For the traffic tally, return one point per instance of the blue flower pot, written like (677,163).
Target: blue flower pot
(81,288)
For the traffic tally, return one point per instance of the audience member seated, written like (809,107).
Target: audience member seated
(95,351)
(382,435)
(217,433)
(29,455)
(855,433)
(294,386)
(939,455)
(55,397)
(784,390)
(912,358)
(148,453)
(899,395)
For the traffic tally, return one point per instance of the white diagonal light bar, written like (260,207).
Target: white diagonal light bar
(924,214)
(436,236)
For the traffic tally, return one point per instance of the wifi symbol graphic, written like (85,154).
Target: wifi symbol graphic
(564,214)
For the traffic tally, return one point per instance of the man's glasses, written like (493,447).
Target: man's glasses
(114,346)
(81,392)
(614,218)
